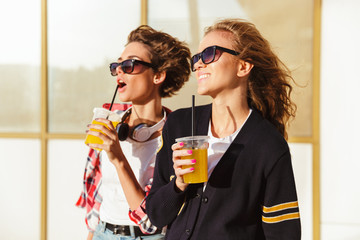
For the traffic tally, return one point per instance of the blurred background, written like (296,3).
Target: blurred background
(54,58)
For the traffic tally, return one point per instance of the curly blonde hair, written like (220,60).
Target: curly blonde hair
(269,86)
(168,54)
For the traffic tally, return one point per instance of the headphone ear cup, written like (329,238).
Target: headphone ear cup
(123,131)
(141,132)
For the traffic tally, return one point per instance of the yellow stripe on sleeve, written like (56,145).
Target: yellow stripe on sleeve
(280,207)
(281,218)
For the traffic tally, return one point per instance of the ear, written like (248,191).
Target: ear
(244,68)
(159,77)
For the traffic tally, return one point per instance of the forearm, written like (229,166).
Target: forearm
(281,218)
(164,203)
(90,236)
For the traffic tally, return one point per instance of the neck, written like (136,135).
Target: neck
(228,116)
(149,113)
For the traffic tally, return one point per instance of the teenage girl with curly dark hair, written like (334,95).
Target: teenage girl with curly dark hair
(153,65)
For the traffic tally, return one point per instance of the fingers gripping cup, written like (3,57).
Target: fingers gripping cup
(199,146)
(101,113)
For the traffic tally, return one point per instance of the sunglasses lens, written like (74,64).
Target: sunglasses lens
(113,67)
(137,67)
(208,55)
(127,66)
(194,60)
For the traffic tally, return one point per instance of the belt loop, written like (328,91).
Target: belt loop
(132,231)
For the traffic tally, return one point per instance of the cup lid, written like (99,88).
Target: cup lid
(192,138)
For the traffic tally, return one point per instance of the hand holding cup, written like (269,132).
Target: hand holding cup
(190,160)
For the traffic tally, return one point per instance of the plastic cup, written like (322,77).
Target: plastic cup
(101,113)
(199,146)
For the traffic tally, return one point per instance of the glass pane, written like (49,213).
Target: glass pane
(64,219)
(20,57)
(287,25)
(20,189)
(84,37)
(183,24)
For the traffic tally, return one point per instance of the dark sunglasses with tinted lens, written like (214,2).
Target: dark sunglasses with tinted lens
(129,66)
(209,55)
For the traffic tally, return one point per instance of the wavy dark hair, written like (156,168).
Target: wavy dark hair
(168,54)
(269,86)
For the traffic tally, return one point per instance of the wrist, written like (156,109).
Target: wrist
(118,160)
(118,163)
(180,186)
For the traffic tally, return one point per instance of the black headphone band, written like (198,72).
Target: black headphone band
(123,128)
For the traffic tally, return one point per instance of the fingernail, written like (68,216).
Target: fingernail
(189,151)
(193,160)
(181,144)
(192,169)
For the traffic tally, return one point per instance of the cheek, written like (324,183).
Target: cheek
(143,84)
(226,73)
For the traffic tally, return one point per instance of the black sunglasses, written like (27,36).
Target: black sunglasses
(129,66)
(209,55)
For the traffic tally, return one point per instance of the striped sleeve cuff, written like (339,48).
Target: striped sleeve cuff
(281,212)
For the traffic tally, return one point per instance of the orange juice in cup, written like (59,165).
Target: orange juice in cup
(101,113)
(199,146)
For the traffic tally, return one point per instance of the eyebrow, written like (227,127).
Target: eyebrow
(130,57)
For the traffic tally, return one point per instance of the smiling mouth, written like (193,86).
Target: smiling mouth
(204,76)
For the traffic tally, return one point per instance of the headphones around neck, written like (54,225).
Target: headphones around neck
(141,132)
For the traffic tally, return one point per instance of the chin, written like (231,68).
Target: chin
(124,99)
(201,91)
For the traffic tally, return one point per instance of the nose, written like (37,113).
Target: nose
(199,64)
(119,70)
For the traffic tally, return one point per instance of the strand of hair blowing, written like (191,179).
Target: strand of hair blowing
(269,86)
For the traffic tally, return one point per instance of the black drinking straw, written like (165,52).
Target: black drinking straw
(112,101)
(192,118)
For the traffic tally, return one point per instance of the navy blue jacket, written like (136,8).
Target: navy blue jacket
(250,195)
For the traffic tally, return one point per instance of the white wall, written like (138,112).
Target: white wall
(340,117)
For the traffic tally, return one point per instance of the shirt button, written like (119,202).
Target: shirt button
(187,231)
(205,200)
(197,195)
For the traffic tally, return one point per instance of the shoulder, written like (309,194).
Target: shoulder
(265,135)
(264,144)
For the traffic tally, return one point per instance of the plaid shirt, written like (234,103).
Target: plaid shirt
(140,217)
(91,199)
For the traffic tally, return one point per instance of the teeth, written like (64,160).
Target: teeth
(204,76)
(121,83)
